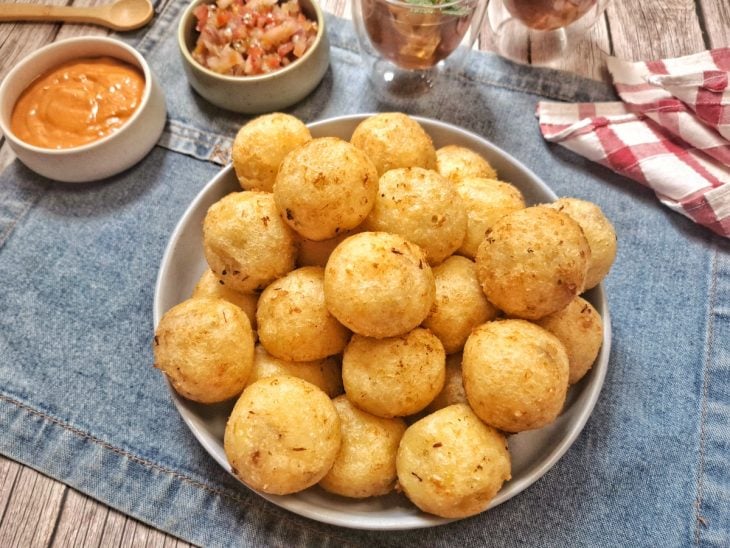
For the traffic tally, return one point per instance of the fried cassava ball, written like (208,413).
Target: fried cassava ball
(515,375)
(421,206)
(393,140)
(246,243)
(456,163)
(580,328)
(325,374)
(533,262)
(210,286)
(365,464)
(293,320)
(599,232)
(261,145)
(313,253)
(325,187)
(460,304)
(378,284)
(485,200)
(394,377)
(205,348)
(452,464)
(453,390)
(283,435)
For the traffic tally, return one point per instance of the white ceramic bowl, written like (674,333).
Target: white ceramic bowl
(99,159)
(261,93)
(533,453)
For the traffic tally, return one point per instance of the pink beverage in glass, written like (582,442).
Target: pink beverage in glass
(416,36)
(548,14)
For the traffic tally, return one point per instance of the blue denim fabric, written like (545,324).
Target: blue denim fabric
(80,401)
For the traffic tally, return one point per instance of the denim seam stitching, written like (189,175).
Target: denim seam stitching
(154,466)
(699,520)
(192,139)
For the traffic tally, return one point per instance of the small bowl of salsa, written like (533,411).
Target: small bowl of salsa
(82,109)
(253,56)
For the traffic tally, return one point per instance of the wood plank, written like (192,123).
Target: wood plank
(113,529)
(654,30)
(32,511)
(9,472)
(19,39)
(81,521)
(715,15)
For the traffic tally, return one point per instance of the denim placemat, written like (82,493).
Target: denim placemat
(80,401)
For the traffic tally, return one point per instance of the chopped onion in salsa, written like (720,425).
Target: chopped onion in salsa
(249,37)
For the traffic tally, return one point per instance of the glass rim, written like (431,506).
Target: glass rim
(438,7)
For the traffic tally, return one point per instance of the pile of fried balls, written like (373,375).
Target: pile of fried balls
(385,314)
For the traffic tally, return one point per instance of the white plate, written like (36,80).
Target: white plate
(533,453)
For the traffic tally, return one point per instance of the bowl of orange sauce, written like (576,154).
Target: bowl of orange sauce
(82,109)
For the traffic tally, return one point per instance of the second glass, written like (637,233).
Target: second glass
(407,45)
(553,27)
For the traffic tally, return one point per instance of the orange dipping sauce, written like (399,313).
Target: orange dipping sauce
(78,102)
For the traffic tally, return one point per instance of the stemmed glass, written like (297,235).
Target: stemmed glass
(555,25)
(408,44)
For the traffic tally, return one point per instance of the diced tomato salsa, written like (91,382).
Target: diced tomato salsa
(248,37)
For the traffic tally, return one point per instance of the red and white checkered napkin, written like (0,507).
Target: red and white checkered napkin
(670,133)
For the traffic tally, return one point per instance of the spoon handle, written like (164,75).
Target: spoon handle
(36,12)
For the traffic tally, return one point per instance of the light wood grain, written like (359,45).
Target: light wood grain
(9,472)
(38,511)
(33,499)
(715,17)
(82,521)
(654,30)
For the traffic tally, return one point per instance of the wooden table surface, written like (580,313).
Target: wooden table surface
(38,511)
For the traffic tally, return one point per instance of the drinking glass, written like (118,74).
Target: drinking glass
(408,44)
(556,26)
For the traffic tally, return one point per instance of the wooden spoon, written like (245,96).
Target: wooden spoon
(121,15)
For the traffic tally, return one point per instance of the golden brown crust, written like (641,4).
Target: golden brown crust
(293,321)
(378,284)
(262,144)
(365,464)
(515,375)
(325,374)
(456,163)
(283,435)
(393,140)
(533,262)
(421,206)
(325,187)
(451,464)
(205,348)
(598,231)
(460,304)
(394,377)
(209,286)
(580,328)
(245,242)
(486,201)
